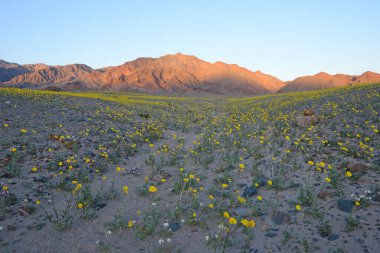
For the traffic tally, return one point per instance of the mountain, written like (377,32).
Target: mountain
(323,80)
(176,74)
(367,77)
(40,74)
(170,74)
(9,70)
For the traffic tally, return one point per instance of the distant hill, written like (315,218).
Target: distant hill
(323,80)
(170,74)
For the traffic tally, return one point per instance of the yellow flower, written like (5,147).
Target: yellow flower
(327,179)
(226,215)
(6,125)
(130,223)
(211,197)
(241,166)
(248,223)
(80,205)
(298,207)
(13,150)
(118,169)
(163,180)
(125,189)
(311,163)
(357,203)
(194,215)
(232,221)
(5,188)
(348,173)
(151,145)
(138,212)
(38,202)
(198,179)
(34,169)
(210,205)
(152,189)
(224,186)
(270,182)
(186,180)
(60,163)
(74,182)
(287,138)
(191,176)
(259,198)
(24,130)
(181,169)
(242,200)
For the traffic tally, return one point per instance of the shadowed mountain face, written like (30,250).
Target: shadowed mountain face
(9,70)
(323,80)
(171,74)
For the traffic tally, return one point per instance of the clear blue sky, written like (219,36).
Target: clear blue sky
(285,38)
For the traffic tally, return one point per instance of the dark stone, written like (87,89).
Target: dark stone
(345,205)
(41,179)
(174,226)
(270,234)
(261,181)
(332,237)
(279,217)
(249,191)
(99,206)
(292,186)
(11,228)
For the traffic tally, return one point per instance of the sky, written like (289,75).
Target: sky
(286,38)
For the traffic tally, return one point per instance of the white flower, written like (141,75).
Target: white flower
(169,240)
(153,204)
(161,241)
(109,232)
(207,237)
(183,221)
(165,225)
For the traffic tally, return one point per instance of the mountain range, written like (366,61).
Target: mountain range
(177,74)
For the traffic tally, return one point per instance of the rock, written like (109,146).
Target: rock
(345,205)
(249,191)
(323,195)
(279,217)
(11,228)
(376,198)
(41,179)
(100,205)
(332,237)
(356,167)
(303,120)
(261,181)
(174,226)
(308,112)
(270,234)
(293,186)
